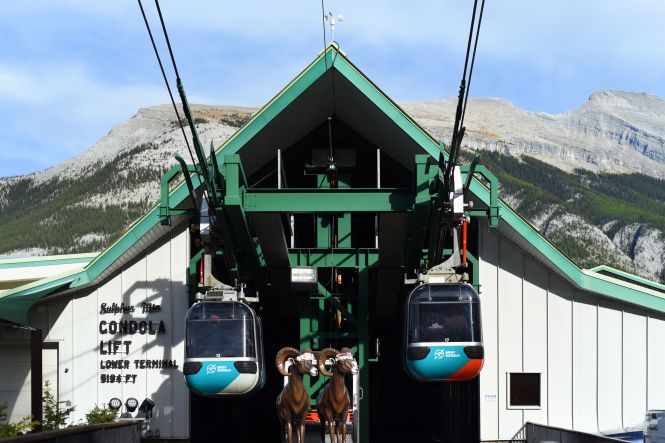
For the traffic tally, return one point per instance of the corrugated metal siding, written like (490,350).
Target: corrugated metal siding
(634,368)
(510,332)
(489,377)
(585,364)
(600,369)
(534,310)
(610,367)
(559,353)
(656,364)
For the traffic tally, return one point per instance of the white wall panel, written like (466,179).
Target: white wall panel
(634,368)
(159,381)
(60,320)
(134,289)
(489,376)
(585,355)
(180,303)
(510,272)
(107,294)
(15,377)
(85,346)
(535,332)
(559,344)
(609,368)
(656,363)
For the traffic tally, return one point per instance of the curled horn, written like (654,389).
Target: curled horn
(281,357)
(323,356)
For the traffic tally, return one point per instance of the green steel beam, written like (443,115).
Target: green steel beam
(192,280)
(307,201)
(363,347)
(492,212)
(338,258)
(425,171)
(248,251)
(165,210)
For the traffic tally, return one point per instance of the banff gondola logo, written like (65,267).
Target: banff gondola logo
(213,368)
(442,353)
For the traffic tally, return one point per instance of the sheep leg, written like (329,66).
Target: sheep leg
(342,422)
(302,432)
(289,431)
(331,428)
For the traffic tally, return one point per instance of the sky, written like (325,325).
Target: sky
(72,69)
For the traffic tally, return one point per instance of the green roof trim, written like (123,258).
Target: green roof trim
(585,280)
(46,260)
(15,303)
(628,277)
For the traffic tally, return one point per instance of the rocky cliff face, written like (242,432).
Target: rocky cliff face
(82,204)
(618,132)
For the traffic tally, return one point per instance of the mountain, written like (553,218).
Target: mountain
(614,131)
(589,179)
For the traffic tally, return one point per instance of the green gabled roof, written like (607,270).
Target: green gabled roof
(15,304)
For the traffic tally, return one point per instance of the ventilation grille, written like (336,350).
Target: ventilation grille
(417,353)
(246,367)
(474,351)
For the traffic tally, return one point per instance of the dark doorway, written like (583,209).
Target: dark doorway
(252,419)
(414,412)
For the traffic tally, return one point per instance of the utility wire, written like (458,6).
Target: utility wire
(166,81)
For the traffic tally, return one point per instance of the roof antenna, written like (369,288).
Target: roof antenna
(332,21)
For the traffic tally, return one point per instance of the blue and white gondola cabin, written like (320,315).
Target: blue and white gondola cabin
(443,333)
(223,349)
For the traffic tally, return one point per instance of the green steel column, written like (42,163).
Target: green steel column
(363,345)
(343,227)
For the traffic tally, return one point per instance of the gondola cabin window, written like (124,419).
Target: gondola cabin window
(524,390)
(220,330)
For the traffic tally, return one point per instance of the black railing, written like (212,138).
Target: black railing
(120,431)
(535,433)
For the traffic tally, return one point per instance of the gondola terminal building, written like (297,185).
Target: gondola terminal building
(564,346)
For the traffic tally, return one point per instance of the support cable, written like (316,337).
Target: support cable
(473,60)
(197,146)
(168,86)
(331,99)
(458,128)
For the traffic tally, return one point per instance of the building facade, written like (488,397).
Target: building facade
(564,346)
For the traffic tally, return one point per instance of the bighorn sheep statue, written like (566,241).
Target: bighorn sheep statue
(293,401)
(333,401)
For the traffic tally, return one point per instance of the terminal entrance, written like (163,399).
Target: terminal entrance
(336,185)
(399,407)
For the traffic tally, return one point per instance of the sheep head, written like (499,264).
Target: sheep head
(302,361)
(343,360)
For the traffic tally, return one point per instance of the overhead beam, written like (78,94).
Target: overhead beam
(338,258)
(307,201)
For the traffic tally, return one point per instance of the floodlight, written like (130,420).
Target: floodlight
(131,404)
(115,403)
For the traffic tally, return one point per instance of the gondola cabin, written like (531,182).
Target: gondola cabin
(224,349)
(443,332)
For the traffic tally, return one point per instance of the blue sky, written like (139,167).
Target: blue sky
(71,69)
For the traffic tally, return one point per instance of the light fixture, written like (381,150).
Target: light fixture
(115,403)
(131,404)
(145,410)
